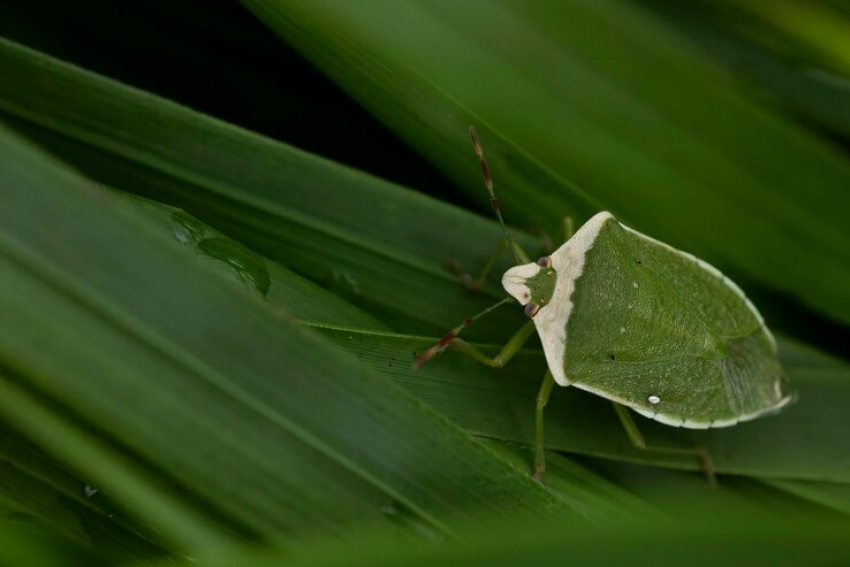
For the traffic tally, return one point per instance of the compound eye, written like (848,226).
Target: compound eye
(531,309)
(545,262)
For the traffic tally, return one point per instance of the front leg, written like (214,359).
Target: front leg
(508,351)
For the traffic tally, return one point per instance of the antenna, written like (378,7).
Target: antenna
(452,336)
(488,182)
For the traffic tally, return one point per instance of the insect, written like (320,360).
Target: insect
(638,322)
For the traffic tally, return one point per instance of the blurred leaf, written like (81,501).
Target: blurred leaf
(225,64)
(583,106)
(785,75)
(285,435)
(808,31)
(675,492)
(41,491)
(385,239)
(357,232)
(831,495)
(26,544)
(182,527)
(739,539)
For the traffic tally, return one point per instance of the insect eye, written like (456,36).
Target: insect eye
(545,262)
(531,309)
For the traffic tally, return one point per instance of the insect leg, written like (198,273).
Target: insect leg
(508,351)
(466,278)
(474,284)
(451,339)
(539,448)
(638,441)
(630,426)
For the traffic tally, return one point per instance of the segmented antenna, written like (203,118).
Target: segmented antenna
(488,181)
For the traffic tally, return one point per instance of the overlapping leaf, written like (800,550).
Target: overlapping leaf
(592,105)
(285,434)
(118,326)
(394,261)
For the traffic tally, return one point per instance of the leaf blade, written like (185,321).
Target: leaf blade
(683,139)
(277,405)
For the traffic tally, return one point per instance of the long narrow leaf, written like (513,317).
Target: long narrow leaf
(805,441)
(367,236)
(590,105)
(42,490)
(261,213)
(286,433)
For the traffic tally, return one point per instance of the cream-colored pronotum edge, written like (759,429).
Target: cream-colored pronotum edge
(568,262)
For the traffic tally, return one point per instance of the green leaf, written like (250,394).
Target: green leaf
(41,491)
(674,492)
(26,544)
(259,276)
(743,538)
(183,528)
(816,92)
(368,236)
(805,441)
(831,495)
(164,360)
(285,435)
(391,248)
(584,106)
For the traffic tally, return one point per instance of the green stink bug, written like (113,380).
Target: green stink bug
(640,323)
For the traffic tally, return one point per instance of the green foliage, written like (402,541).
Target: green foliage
(220,370)
(589,106)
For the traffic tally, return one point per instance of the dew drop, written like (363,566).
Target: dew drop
(245,266)
(343,283)
(186,228)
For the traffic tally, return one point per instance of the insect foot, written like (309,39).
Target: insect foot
(538,472)
(707,466)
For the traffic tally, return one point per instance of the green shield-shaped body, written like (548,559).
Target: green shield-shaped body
(636,321)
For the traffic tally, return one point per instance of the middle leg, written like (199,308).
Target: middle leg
(539,446)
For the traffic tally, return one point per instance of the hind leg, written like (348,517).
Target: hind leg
(701,453)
